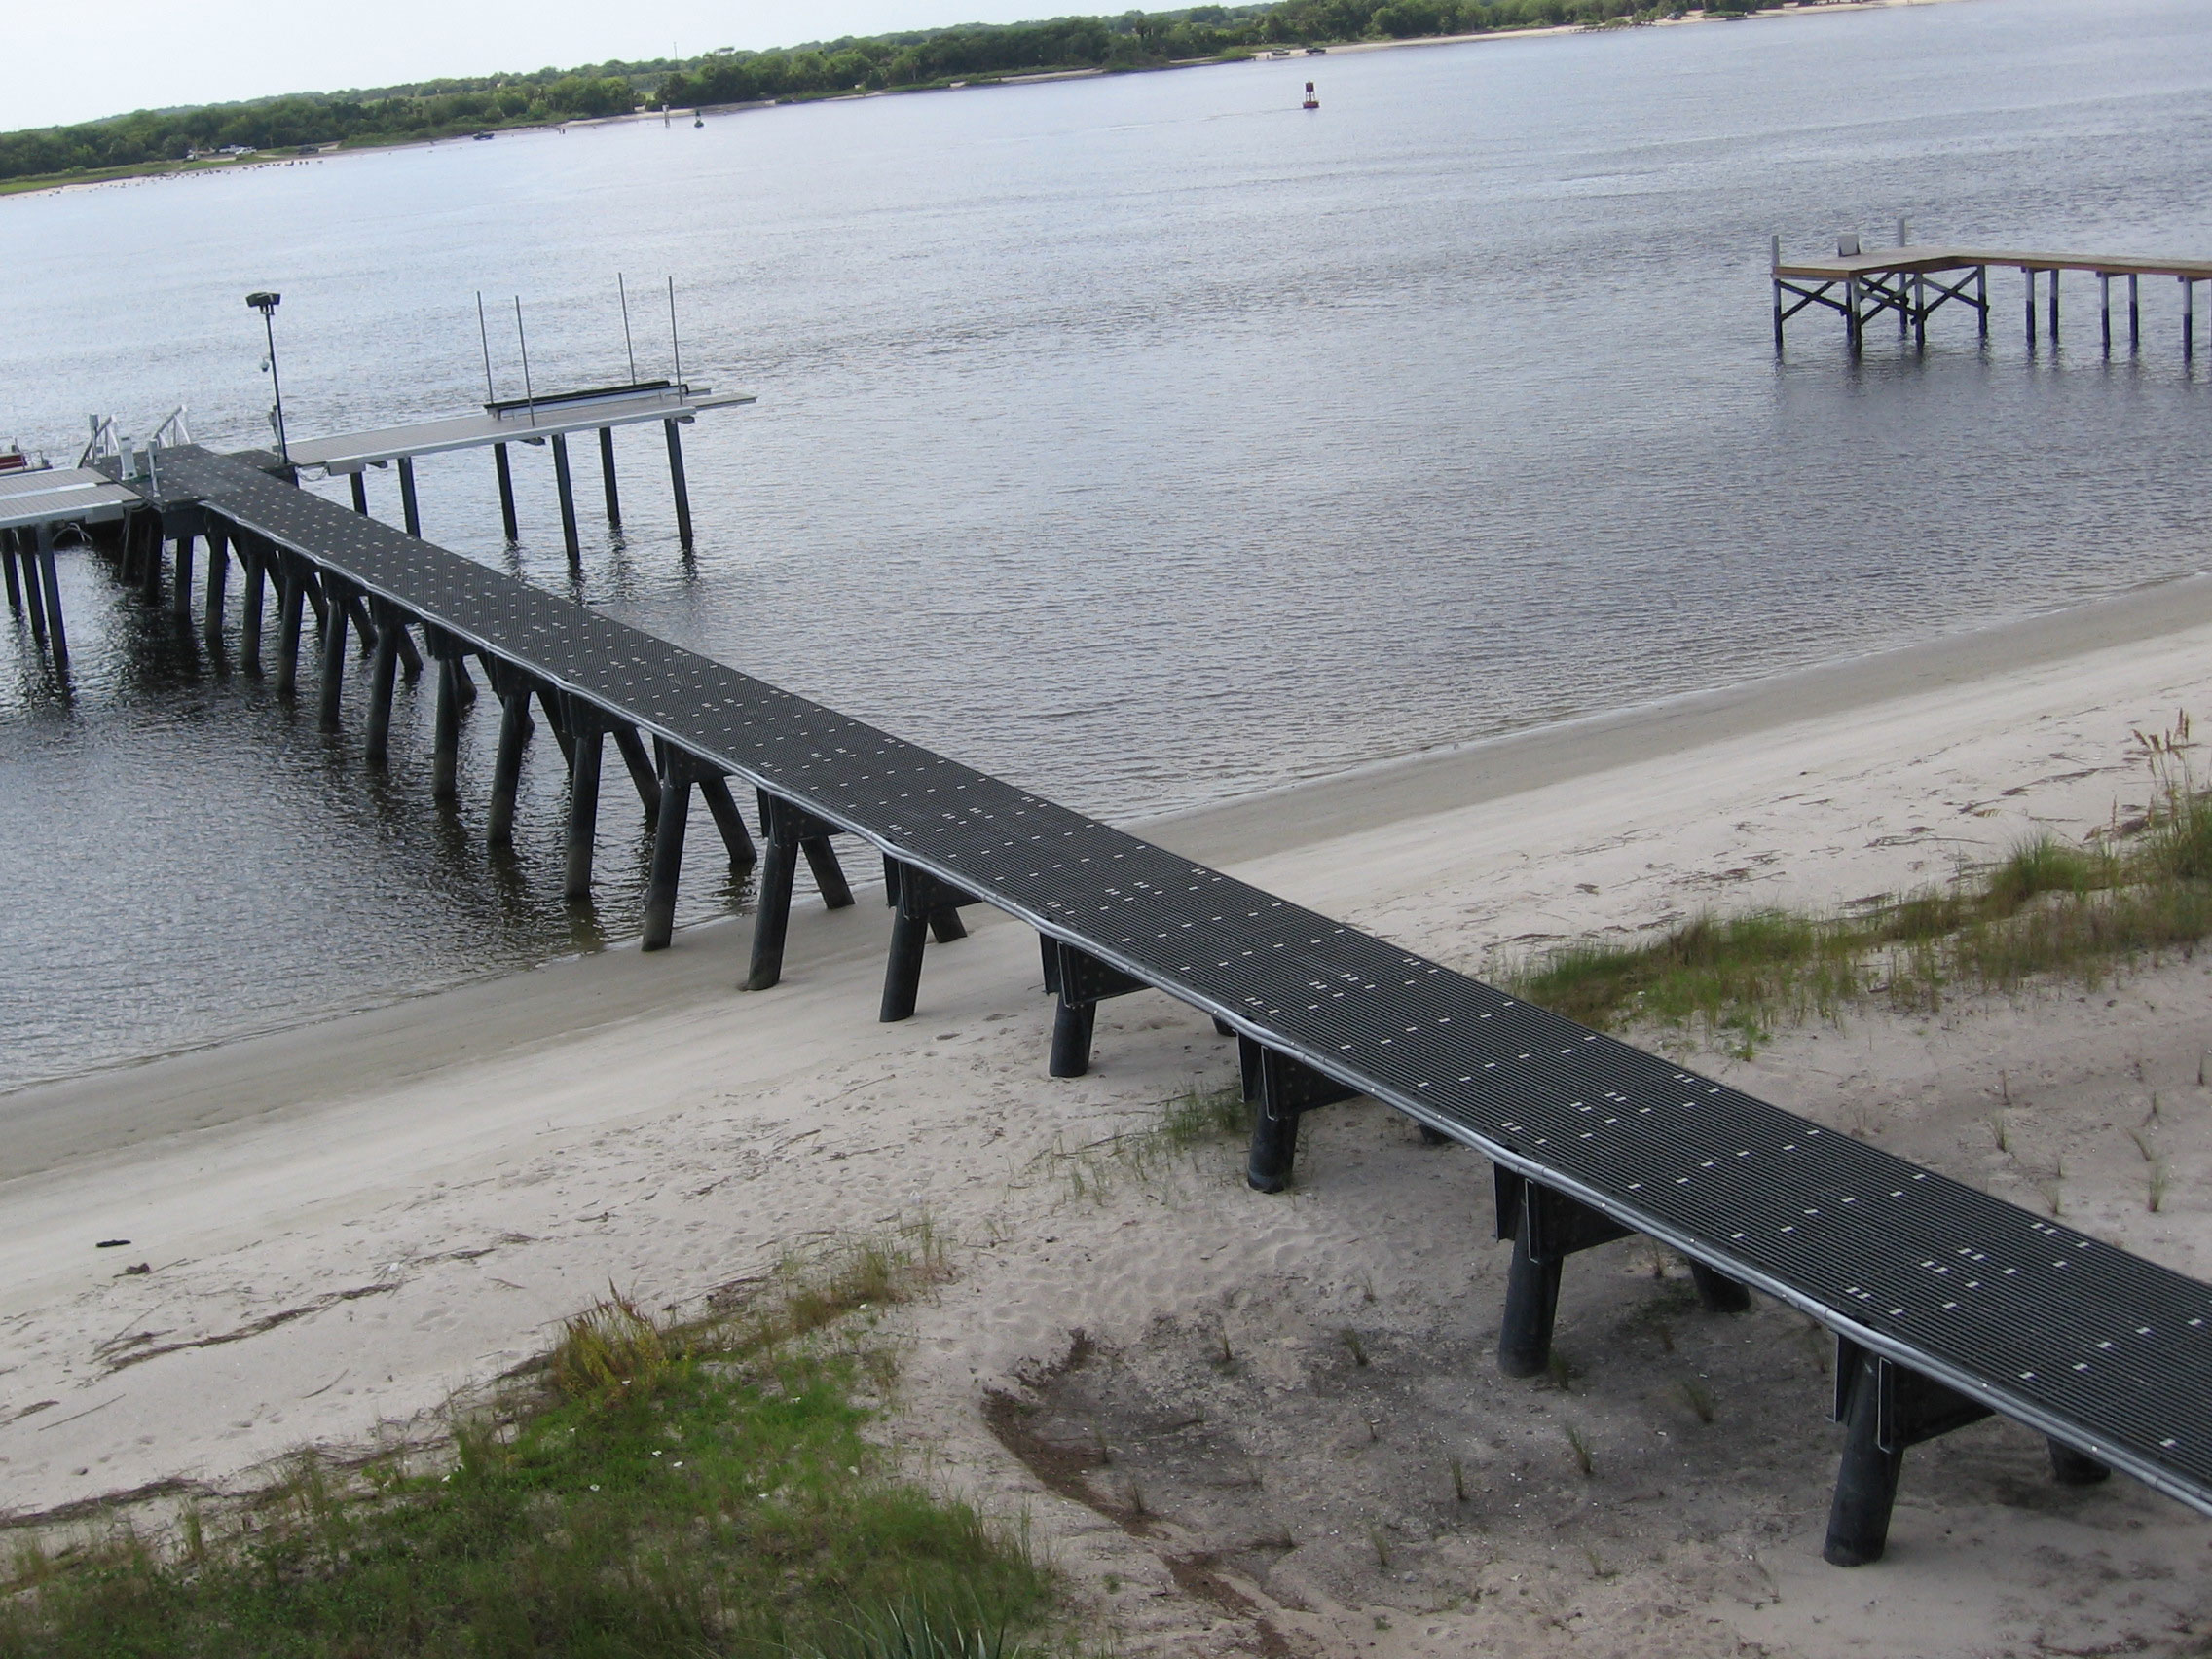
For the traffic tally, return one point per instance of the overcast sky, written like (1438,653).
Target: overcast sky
(73,60)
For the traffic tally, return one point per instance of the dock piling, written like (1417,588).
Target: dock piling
(1774,281)
(34,595)
(506,493)
(1982,297)
(729,820)
(2054,309)
(332,656)
(361,484)
(2134,314)
(7,564)
(218,584)
(409,511)
(2029,274)
(57,635)
(291,599)
(563,482)
(668,850)
(641,768)
(2188,319)
(606,476)
(2104,310)
(1854,328)
(180,598)
(249,619)
(382,670)
(445,745)
(677,483)
(507,766)
(586,744)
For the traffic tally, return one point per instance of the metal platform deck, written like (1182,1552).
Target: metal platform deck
(61,496)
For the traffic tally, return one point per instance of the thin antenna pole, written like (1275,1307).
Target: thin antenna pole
(675,346)
(484,334)
(623,290)
(523,340)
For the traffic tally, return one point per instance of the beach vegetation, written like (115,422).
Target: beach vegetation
(650,1488)
(973,55)
(2050,909)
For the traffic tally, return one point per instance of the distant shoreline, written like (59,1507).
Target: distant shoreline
(50,183)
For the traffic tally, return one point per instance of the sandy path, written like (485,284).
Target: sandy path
(346,1221)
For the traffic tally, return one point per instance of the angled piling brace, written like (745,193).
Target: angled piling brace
(333,655)
(360,481)
(567,487)
(641,768)
(34,595)
(1885,1408)
(586,743)
(384,669)
(674,817)
(924,906)
(7,564)
(789,831)
(1282,1089)
(728,819)
(410,511)
(506,493)
(1081,982)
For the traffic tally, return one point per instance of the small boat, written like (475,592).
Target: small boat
(13,459)
(1312,102)
(481,137)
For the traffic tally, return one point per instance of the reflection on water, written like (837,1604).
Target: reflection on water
(1143,438)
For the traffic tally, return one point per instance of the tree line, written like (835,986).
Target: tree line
(1131,39)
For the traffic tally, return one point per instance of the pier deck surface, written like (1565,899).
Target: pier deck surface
(1883,260)
(61,496)
(2099,1348)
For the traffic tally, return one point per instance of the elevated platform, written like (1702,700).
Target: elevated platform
(526,420)
(1948,1304)
(62,495)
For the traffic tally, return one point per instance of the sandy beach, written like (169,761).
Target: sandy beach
(343,1224)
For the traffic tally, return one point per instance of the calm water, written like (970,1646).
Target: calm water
(1145,439)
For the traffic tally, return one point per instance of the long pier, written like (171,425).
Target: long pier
(1913,282)
(1947,1305)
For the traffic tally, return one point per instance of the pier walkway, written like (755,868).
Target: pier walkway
(1948,1304)
(1913,282)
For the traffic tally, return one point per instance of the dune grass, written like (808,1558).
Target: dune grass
(2050,909)
(652,1490)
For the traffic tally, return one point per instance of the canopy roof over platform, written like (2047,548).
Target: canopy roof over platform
(58,496)
(520,420)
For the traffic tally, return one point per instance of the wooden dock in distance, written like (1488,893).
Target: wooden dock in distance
(1915,281)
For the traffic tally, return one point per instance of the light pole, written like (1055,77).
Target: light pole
(265,304)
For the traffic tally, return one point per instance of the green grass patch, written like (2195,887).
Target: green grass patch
(1151,1153)
(2049,908)
(652,1490)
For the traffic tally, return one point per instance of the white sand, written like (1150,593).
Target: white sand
(347,1222)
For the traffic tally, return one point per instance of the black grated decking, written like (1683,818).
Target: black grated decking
(2097,1347)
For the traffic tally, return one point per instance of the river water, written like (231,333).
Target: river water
(1145,439)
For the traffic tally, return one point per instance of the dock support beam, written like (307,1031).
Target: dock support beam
(606,476)
(445,742)
(1081,982)
(729,820)
(7,564)
(2188,320)
(1854,328)
(2134,314)
(34,593)
(668,849)
(506,493)
(1982,297)
(586,743)
(409,511)
(563,482)
(2104,309)
(1284,1089)
(360,483)
(1774,279)
(677,483)
(922,905)
(2054,305)
(1885,1409)
(2030,275)
(1546,1228)
(641,769)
